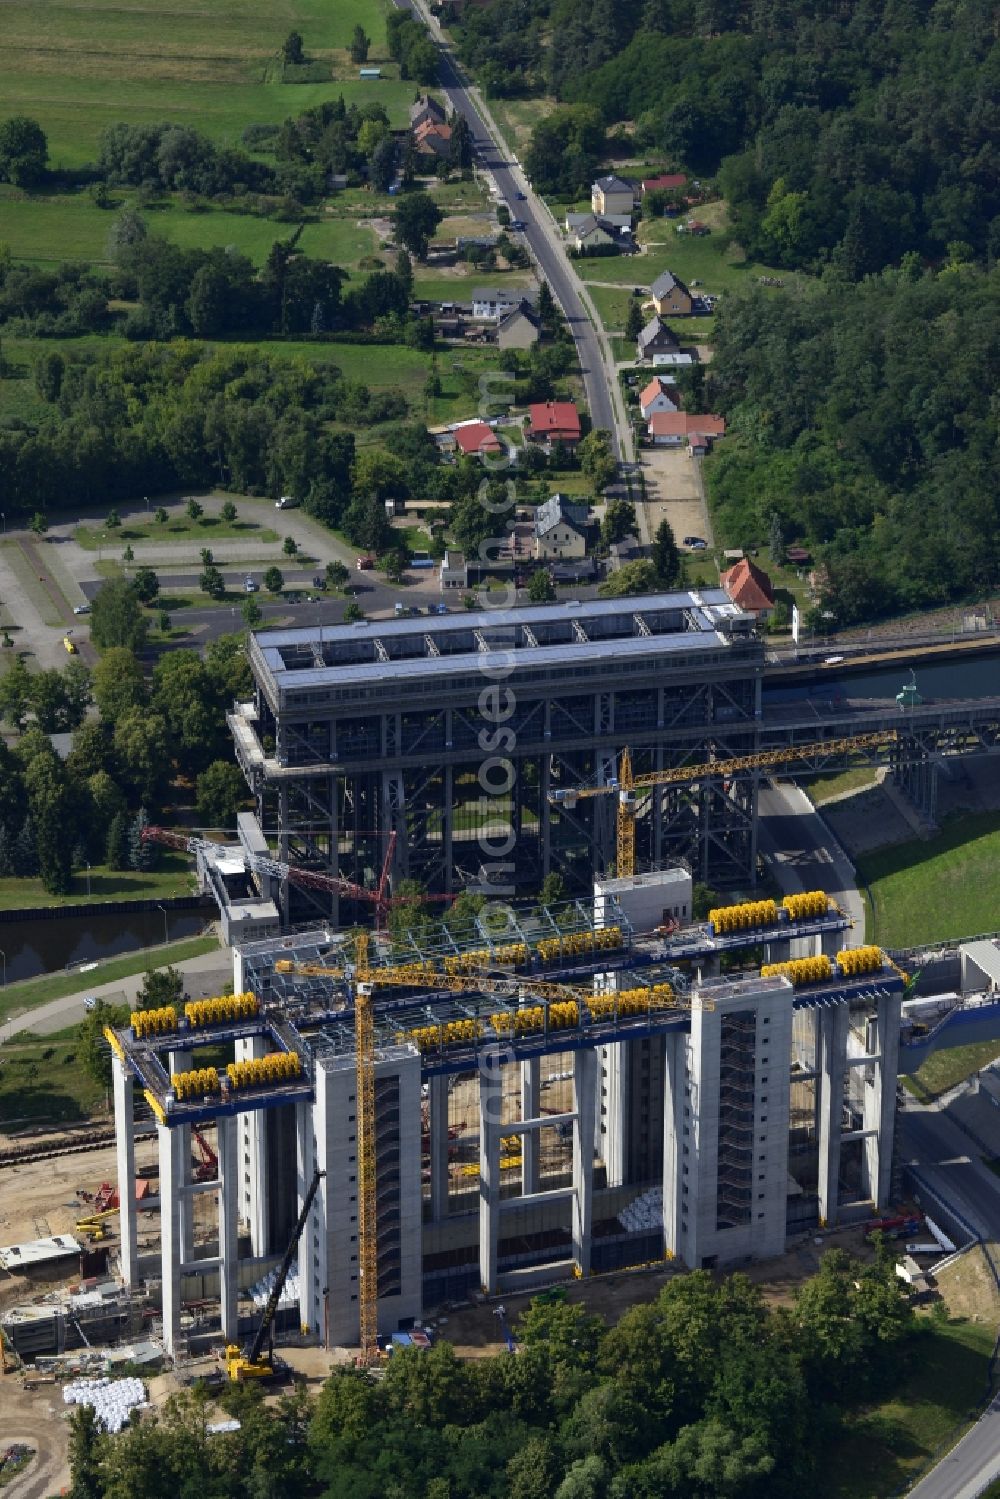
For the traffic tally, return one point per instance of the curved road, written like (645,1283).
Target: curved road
(542,237)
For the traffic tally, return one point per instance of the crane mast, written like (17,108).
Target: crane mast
(628,783)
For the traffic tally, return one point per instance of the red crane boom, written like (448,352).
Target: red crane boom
(310,879)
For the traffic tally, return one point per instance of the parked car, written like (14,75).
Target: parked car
(249,586)
(90,1003)
(696,543)
(70,647)
(81,608)
(287,502)
(319,582)
(365,564)
(399,610)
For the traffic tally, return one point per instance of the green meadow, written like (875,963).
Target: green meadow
(69,226)
(79,67)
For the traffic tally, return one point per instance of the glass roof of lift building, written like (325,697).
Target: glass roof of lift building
(546,635)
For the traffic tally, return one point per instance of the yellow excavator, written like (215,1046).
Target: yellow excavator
(252,1362)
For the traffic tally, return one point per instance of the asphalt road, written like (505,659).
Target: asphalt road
(539,234)
(796,841)
(970,1467)
(951,1162)
(203,975)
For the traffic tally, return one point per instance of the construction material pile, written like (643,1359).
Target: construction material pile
(111,1400)
(289,1295)
(645,1212)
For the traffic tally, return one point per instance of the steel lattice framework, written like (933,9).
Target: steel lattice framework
(458,734)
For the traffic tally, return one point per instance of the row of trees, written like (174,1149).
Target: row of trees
(219,293)
(704,1393)
(861,423)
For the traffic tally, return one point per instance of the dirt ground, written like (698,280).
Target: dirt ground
(968,1289)
(475,1331)
(674,493)
(36,1418)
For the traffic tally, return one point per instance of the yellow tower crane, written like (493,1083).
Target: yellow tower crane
(628,783)
(365,980)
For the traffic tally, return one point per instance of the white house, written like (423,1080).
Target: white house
(454,571)
(612,195)
(560,529)
(661,394)
(491,303)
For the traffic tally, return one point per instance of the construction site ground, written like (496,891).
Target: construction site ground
(39,1199)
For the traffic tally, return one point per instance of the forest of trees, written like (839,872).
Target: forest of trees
(863,418)
(847,132)
(153,417)
(58,814)
(704,1393)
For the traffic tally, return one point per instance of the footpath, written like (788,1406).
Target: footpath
(203,975)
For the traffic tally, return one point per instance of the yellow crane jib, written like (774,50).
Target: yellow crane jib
(628,783)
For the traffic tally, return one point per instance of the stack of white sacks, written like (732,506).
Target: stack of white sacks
(290,1292)
(110,1399)
(645,1212)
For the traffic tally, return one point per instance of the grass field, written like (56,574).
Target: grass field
(882,1449)
(943,888)
(79,67)
(946,1068)
(713,261)
(70,226)
(202,532)
(41,1080)
(437,288)
(824,787)
(173,877)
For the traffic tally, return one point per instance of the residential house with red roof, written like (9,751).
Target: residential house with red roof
(749,587)
(672,429)
(554,421)
(667,182)
(432,140)
(661,394)
(473,439)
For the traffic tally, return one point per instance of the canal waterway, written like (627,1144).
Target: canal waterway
(34,946)
(937,680)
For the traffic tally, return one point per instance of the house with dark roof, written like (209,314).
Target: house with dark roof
(519,329)
(671,297)
(749,587)
(658,345)
(592,231)
(560,529)
(454,570)
(553,421)
(426,110)
(491,303)
(612,195)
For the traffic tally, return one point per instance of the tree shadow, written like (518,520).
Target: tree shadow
(37,1101)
